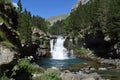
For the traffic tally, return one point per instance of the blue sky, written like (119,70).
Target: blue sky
(47,8)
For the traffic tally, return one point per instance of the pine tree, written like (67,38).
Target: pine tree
(40,23)
(113,21)
(19,6)
(24,27)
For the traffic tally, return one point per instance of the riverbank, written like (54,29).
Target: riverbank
(112,62)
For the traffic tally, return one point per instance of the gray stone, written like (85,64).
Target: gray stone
(6,55)
(92,76)
(69,76)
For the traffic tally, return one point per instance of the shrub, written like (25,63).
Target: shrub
(49,76)
(23,70)
(26,65)
(82,51)
(6,78)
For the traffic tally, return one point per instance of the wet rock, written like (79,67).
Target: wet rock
(103,69)
(92,69)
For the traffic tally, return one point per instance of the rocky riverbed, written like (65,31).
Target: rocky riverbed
(68,75)
(107,68)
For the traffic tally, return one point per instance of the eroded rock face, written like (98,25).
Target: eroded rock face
(6,55)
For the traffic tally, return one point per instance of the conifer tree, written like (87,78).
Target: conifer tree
(19,6)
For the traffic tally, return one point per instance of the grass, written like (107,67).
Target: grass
(7,44)
(81,51)
(2,36)
(1,19)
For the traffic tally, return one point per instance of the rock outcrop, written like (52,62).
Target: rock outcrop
(42,40)
(6,55)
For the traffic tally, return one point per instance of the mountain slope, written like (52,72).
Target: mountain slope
(54,19)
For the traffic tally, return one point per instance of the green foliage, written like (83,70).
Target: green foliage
(19,6)
(23,70)
(57,28)
(2,36)
(114,17)
(82,51)
(24,27)
(24,64)
(49,76)
(6,78)
(40,23)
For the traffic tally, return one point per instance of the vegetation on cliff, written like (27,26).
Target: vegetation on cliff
(8,23)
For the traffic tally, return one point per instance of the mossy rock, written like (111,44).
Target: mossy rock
(66,43)
(81,51)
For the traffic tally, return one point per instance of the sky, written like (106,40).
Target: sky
(47,8)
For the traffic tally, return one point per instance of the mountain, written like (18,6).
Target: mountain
(54,19)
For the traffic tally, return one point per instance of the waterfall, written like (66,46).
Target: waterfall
(58,51)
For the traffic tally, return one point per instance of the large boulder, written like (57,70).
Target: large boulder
(92,76)
(70,76)
(6,55)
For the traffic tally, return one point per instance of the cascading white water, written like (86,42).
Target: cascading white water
(58,51)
